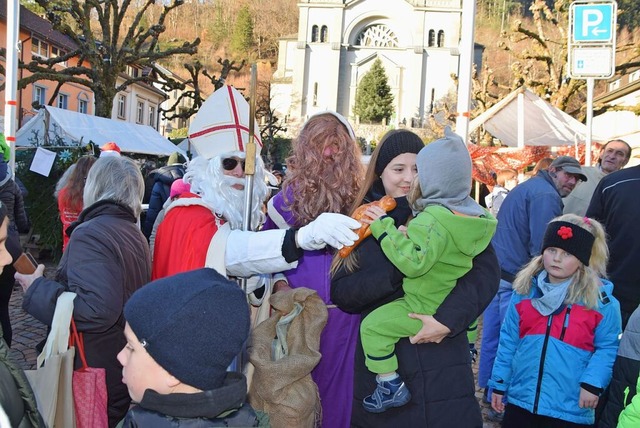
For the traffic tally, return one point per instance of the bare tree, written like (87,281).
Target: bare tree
(271,124)
(541,54)
(195,70)
(540,51)
(106,43)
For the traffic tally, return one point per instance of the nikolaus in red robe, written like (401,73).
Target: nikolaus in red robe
(184,236)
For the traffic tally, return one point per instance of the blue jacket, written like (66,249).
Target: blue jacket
(522,221)
(543,361)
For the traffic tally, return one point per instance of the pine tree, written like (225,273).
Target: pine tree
(374,101)
(242,37)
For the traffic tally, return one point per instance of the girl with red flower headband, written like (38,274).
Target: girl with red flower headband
(559,339)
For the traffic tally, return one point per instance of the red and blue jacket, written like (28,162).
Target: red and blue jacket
(543,361)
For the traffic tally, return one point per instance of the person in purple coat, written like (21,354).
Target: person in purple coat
(323,175)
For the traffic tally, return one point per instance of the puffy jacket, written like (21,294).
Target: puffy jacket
(630,416)
(11,197)
(626,370)
(222,407)
(164,178)
(106,260)
(16,396)
(543,360)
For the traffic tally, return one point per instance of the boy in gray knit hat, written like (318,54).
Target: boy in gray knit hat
(182,333)
(449,230)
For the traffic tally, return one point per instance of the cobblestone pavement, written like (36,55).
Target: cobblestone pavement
(28,332)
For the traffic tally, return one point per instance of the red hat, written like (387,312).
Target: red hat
(110,148)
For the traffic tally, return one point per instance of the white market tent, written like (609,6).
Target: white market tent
(61,127)
(188,147)
(523,118)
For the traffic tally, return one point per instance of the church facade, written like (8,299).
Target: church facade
(338,41)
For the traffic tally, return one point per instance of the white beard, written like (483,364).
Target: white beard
(216,189)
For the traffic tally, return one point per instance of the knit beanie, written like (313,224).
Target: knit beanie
(192,324)
(176,158)
(178,187)
(570,237)
(109,149)
(395,144)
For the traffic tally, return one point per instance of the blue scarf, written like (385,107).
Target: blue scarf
(553,295)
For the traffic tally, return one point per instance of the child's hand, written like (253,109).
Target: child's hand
(587,399)
(403,229)
(496,402)
(372,214)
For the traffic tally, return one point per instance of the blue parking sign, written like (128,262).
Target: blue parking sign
(593,22)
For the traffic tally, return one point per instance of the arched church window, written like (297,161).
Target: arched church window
(324,34)
(432,38)
(377,35)
(314,33)
(440,38)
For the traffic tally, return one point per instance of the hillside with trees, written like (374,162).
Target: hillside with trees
(526,44)
(525,41)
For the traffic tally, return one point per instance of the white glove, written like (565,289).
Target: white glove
(328,229)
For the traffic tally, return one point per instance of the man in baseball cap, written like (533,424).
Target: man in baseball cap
(569,165)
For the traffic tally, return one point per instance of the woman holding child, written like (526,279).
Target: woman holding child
(437,371)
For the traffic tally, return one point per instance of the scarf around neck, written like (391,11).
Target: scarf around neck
(553,295)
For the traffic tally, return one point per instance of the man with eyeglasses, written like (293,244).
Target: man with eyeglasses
(522,221)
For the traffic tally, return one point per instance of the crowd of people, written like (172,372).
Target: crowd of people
(167,307)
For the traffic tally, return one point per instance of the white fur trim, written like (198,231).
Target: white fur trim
(275,216)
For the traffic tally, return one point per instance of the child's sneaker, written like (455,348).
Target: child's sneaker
(388,394)
(474,353)
(495,416)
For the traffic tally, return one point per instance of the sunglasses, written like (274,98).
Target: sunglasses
(229,164)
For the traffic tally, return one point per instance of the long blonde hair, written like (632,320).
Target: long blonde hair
(585,285)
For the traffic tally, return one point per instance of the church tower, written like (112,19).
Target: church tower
(338,41)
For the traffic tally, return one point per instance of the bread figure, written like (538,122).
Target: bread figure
(387,203)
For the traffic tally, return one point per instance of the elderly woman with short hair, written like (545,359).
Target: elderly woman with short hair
(106,260)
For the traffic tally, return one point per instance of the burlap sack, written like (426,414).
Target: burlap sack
(284,389)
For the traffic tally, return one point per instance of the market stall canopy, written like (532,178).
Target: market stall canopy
(59,127)
(523,118)
(188,148)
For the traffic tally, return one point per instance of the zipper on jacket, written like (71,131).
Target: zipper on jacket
(566,323)
(541,368)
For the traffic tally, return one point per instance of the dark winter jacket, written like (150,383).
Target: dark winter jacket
(16,396)
(106,260)
(11,197)
(615,204)
(222,407)
(439,376)
(164,178)
(626,370)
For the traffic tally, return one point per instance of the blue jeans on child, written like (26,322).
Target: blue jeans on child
(491,323)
